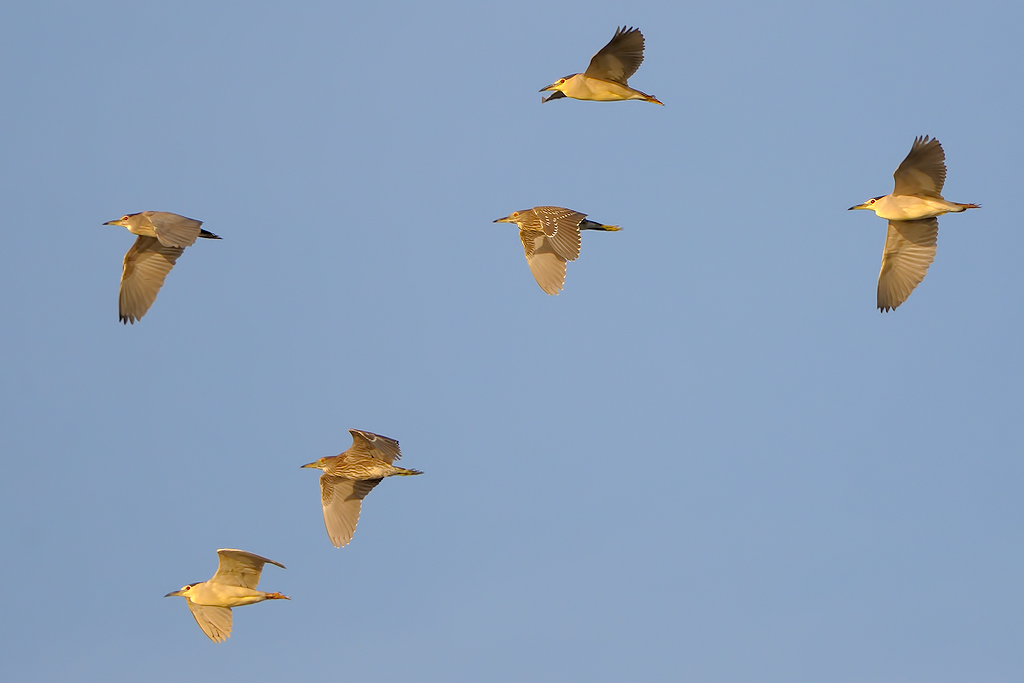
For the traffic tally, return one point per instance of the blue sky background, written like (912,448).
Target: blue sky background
(709,459)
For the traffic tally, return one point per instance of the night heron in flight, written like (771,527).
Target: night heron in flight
(605,78)
(551,236)
(233,585)
(348,477)
(163,236)
(911,210)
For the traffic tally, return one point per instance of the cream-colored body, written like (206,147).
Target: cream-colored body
(581,87)
(911,208)
(221,595)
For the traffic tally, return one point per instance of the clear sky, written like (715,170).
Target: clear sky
(709,459)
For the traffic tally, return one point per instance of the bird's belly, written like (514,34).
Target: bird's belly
(226,596)
(907,208)
(601,91)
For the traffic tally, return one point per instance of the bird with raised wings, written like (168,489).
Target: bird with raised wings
(234,584)
(911,210)
(348,477)
(551,237)
(606,76)
(163,237)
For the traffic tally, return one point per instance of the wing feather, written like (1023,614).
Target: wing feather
(342,501)
(374,446)
(240,568)
(173,230)
(215,621)
(909,250)
(923,172)
(620,58)
(548,267)
(145,267)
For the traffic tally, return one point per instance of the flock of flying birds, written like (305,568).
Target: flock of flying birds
(551,238)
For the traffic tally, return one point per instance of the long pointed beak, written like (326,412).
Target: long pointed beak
(502,220)
(173,594)
(312,464)
(859,206)
(547,87)
(111,223)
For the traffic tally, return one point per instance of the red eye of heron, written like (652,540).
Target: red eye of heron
(561,81)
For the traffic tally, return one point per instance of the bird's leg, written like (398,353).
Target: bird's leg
(277,596)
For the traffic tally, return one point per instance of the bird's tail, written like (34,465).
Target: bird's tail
(591,225)
(402,472)
(208,235)
(964,207)
(277,596)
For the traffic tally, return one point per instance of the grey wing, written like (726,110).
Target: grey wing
(240,568)
(923,172)
(173,230)
(620,58)
(215,621)
(342,500)
(145,266)
(562,227)
(909,250)
(374,446)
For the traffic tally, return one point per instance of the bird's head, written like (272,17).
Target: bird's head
(122,221)
(558,86)
(513,217)
(183,592)
(869,204)
(320,464)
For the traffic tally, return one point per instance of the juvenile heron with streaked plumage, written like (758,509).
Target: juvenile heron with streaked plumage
(551,237)
(348,477)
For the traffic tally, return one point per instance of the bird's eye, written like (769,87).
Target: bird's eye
(561,81)
(872,201)
(187,587)
(124,218)
(515,214)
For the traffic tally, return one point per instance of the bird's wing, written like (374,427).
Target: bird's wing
(240,568)
(547,266)
(909,250)
(562,227)
(923,172)
(342,500)
(215,621)
(145,266)
(173,230)
(620,58)
(374,446)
